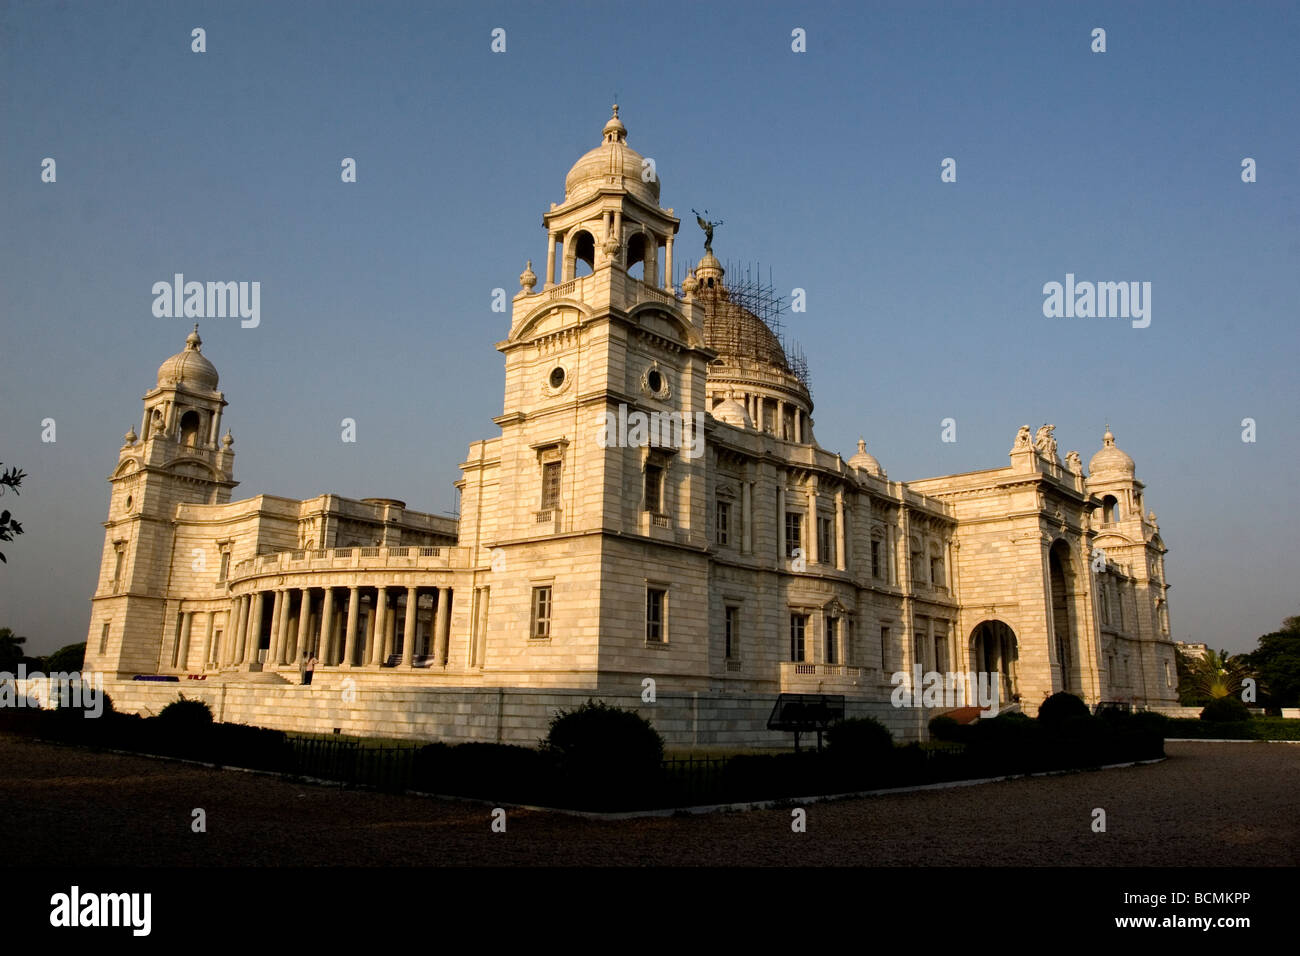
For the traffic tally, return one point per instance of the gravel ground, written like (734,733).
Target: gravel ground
(1208,805)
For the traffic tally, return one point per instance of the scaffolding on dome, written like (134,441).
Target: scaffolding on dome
(746,288)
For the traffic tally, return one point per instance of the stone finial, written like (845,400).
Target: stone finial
(130,437)
(862,445)
(227,440)
(690,283)
(528,278)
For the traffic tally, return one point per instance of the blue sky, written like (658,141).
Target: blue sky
(924,298)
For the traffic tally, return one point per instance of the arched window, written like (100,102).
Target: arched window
(584,250)
(190,428)
(636,256)
(1109,509)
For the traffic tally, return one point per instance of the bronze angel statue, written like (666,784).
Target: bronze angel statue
(708,228)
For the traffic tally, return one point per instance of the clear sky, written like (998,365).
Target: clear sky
(924,299)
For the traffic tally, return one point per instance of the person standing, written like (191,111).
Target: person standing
(309,670)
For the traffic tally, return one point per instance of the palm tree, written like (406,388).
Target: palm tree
(1217,674)
(11,651)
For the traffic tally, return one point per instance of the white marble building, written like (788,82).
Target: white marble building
(751,563)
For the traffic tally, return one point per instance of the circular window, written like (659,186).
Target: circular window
(655,381)
(557,377)
(128,502)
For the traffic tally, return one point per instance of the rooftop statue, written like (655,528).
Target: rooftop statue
(708,228)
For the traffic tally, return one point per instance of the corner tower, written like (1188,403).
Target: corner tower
(176,458)
(568,507)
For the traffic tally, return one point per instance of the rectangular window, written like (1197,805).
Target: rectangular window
(793,532)
(832,640)
(103,637)
(826,540)
(654,475)
(884,648)
(798,635)
(541,613)
(876,568)
(118,562)
(216,645)
(656,600)
(732,633)
(722,523)
(225,566)
(936,572)
(551,485)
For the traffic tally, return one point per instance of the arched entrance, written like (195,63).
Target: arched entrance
(1063,616)
(993,649)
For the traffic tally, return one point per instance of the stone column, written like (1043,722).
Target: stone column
(408,631)
(550,260)
(758,419)
(442,626)
(378,624)
(813,544)
(326,628)
(279,627)
(254,635)
(798,427)
(781,549)
(841,559)
(183,650)
(304,620)
(746,513)
(778,428)
(350,638)
(235,640)
(390,632)
(668,263)
(208,649)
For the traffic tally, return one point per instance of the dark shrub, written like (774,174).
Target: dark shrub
(859,738)
(1060,706)
(495,771)
(944,727)
(1225,710)
(606,757)
(595,734)
(239,745)
(185,712)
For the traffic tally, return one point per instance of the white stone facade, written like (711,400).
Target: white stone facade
(734,560)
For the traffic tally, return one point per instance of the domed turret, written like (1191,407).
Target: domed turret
(863,461)
(189,367)
(1110,460)
(732,412)
(612,163)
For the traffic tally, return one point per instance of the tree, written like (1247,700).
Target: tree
(1217,674)
(1276,660)
(10,480)
(11,651)
(66,660)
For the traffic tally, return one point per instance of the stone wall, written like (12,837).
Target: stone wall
(460,715)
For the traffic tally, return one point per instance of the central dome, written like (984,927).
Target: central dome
(730,329)
(614,164)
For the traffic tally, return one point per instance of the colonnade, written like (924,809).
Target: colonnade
(327,622)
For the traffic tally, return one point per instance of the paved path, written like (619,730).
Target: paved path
(1209,805)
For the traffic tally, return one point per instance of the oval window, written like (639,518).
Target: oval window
(557,377)
(655,381)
